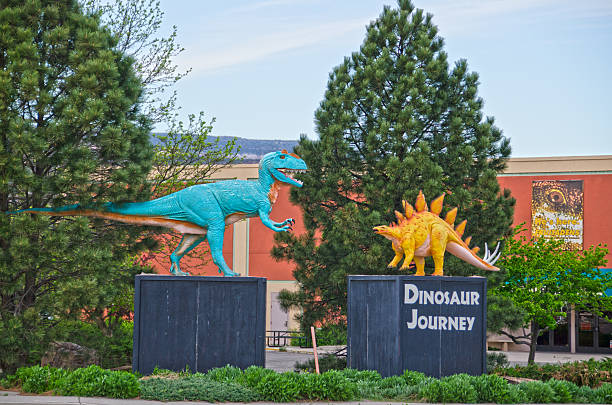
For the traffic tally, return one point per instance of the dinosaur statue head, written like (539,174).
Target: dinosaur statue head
(281,166)
(390,232)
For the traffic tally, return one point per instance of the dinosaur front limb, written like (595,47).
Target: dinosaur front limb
(399,253)
(289,221)
(275,226)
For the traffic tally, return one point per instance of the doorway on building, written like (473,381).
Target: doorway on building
(594,333)
(279,318)
(557,339)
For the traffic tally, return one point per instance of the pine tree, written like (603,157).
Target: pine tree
(70,132)
(395,119)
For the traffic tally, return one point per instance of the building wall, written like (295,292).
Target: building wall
(248,243)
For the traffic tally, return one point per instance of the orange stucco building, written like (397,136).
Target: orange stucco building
(248,243)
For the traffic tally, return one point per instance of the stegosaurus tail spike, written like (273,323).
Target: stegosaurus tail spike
(420,203)
(450,216)
(408,210)
(467,240)
(436,205)
(461,227)
(475,250)
(400,217)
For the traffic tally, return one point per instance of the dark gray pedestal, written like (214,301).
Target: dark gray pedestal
(198,322)
(436,325)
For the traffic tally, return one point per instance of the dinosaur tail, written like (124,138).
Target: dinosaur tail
(464,253)
(163,212)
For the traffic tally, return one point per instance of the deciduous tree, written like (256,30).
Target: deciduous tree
(544,281)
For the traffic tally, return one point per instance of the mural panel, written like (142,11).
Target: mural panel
(557,211)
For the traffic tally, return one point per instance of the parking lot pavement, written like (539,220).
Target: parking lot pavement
(284,361)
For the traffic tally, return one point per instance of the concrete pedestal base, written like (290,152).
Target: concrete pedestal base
(198,322)
(436,325)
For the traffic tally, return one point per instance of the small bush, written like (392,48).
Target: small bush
(87,382)
(538,392)
(337,387)
(369,376)
(253,375)
(94,381)
(516,395)
(565,391)
(496,360)
(456,388)
(603,394)
(279,387)
(415,377)
(196,387)
(491,388)
(224,374)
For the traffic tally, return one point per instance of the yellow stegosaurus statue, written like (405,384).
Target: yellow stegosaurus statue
(419,233)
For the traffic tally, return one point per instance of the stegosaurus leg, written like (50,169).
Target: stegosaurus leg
(399,253)
(438,246)
(420,265)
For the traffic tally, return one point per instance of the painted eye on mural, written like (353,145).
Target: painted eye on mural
(555,196)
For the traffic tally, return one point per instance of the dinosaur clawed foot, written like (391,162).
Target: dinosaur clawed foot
(174,269)
(228,273)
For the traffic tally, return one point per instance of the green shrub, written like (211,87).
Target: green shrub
(456,388)
(337,387)
(496,360)
(87,382)
(516,395)
(196,387)
(94,381)
(279,387)
(585,395)
(253,375)
(327,362)
(224,374)
(603,394)
(37,379)
(537,392)
(565,391)
(491,388)
(114,351)
(369,376)
(415,377)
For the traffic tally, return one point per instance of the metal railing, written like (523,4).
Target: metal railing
(279,338)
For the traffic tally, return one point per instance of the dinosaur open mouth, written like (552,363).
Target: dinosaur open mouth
(291,172)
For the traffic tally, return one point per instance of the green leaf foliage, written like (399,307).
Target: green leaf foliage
(543,280)
(396,118)
(195,388)
(92,381)
(229,384)
(71,131)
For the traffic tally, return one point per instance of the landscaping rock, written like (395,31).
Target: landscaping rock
(69,356)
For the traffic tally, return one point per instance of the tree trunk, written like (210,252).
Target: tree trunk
(535,331)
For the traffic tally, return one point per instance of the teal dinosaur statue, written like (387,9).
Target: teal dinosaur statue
(203,211)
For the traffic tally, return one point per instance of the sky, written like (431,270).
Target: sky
(261,67)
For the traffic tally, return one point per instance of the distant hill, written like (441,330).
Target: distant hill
(252,150)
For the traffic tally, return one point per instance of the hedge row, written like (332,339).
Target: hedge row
(230,384)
